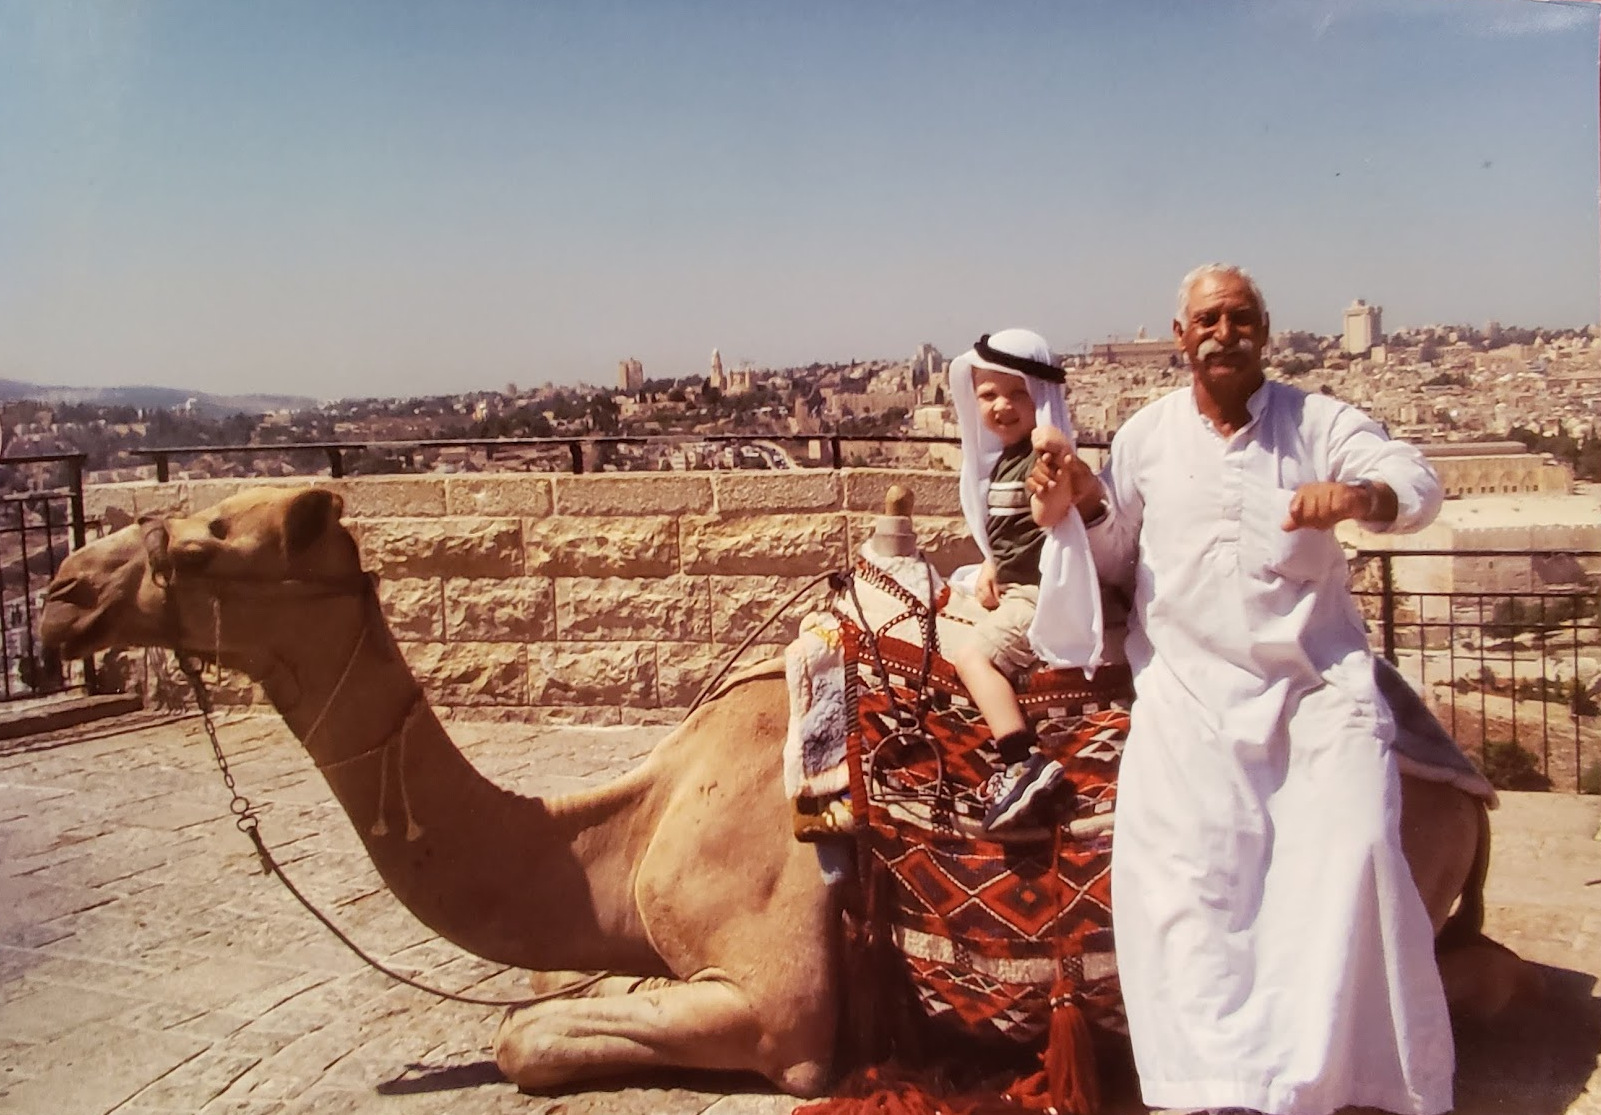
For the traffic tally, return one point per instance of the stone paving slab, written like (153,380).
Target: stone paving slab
(146,966)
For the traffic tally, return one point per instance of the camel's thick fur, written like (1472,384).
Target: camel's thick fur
(683,871)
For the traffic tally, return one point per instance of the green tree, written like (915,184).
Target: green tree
(1511,767)
(1525,435)
(602,414)
(1587,465)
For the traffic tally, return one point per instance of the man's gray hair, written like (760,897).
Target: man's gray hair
(1201,272)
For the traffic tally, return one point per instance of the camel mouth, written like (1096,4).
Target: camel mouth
(74,591)
(74,615)
(67,628)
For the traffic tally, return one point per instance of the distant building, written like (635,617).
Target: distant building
(1507,358)
(1363,328)
(630,375)
(927,363)
(1470,469)
(715,377)
(1141,350)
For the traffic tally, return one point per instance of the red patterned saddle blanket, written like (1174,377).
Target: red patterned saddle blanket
(989,927)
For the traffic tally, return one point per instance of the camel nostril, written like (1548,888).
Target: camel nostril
(71,590)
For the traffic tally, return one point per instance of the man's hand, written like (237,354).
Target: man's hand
(1060,480)
(1048,439)
(1320,505)
(984,588)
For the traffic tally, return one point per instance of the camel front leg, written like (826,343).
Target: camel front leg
(699,1024)
(566,984)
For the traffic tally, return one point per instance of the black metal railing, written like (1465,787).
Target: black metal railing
(554,454)
(38,527)
(1505,646)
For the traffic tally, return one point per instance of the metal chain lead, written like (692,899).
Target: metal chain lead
(246,820)
(245,816)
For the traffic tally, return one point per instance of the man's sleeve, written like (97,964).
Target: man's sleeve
(1360,450)
(1115,540)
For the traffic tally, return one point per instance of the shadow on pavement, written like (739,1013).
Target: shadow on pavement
(1534,1058)
(419,1078)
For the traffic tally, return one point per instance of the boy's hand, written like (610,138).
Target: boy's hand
(1048,439)
(1060,481)
(984,588)
(1044,475)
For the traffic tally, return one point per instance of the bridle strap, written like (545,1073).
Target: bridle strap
(246,820)
(153,532)
(166,573)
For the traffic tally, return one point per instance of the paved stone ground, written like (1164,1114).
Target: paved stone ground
(146,967)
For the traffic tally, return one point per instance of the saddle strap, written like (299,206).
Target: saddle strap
(873,575)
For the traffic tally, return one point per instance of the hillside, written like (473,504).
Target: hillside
(162,398)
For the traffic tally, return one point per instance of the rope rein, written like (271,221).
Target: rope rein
(247,820)
(838,580)
(247,816)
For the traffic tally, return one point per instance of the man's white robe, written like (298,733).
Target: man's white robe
(1273,948)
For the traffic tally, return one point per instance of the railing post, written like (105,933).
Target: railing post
(80,538)
(336,461)
(576,449)
(161,468)
(834,451)
(27,652)
(1387,606)
(80,532)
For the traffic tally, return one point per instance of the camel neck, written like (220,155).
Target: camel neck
(524,881)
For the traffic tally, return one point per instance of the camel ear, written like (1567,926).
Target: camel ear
(309,514)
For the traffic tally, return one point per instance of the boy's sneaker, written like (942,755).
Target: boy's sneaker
(1012,792)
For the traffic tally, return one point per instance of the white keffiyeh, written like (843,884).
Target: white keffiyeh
(1067,627)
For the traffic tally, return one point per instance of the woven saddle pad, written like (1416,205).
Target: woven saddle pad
(986,924)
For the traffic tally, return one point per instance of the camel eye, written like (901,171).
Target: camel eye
(218,528)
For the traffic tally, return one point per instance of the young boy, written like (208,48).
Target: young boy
(1036,595)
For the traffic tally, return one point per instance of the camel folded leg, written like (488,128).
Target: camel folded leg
(591,985)
(699,1024)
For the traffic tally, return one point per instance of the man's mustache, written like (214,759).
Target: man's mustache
(1212,346)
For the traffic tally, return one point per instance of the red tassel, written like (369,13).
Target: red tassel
(882,1090)
(1066,1083)
(1070,1062)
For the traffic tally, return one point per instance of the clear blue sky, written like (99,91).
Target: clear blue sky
(360,197)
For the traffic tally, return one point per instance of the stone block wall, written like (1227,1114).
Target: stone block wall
(591,599)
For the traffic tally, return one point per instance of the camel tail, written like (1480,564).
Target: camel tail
(1481,977)
(1465,926)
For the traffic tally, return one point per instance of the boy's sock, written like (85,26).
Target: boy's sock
(1015,746)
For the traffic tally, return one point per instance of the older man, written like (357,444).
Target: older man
(1275,954)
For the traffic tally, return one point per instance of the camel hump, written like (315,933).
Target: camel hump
(760,671)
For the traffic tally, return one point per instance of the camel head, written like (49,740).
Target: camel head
(231,580)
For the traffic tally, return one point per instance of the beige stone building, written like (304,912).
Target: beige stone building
(1497,468)
(1526,523)
(1363,327)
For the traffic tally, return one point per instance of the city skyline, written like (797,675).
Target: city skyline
(421,199)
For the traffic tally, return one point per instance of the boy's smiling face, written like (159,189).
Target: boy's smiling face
(1004,405)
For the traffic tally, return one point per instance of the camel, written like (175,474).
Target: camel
(682,874)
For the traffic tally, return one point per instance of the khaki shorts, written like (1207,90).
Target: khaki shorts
(1001,632)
